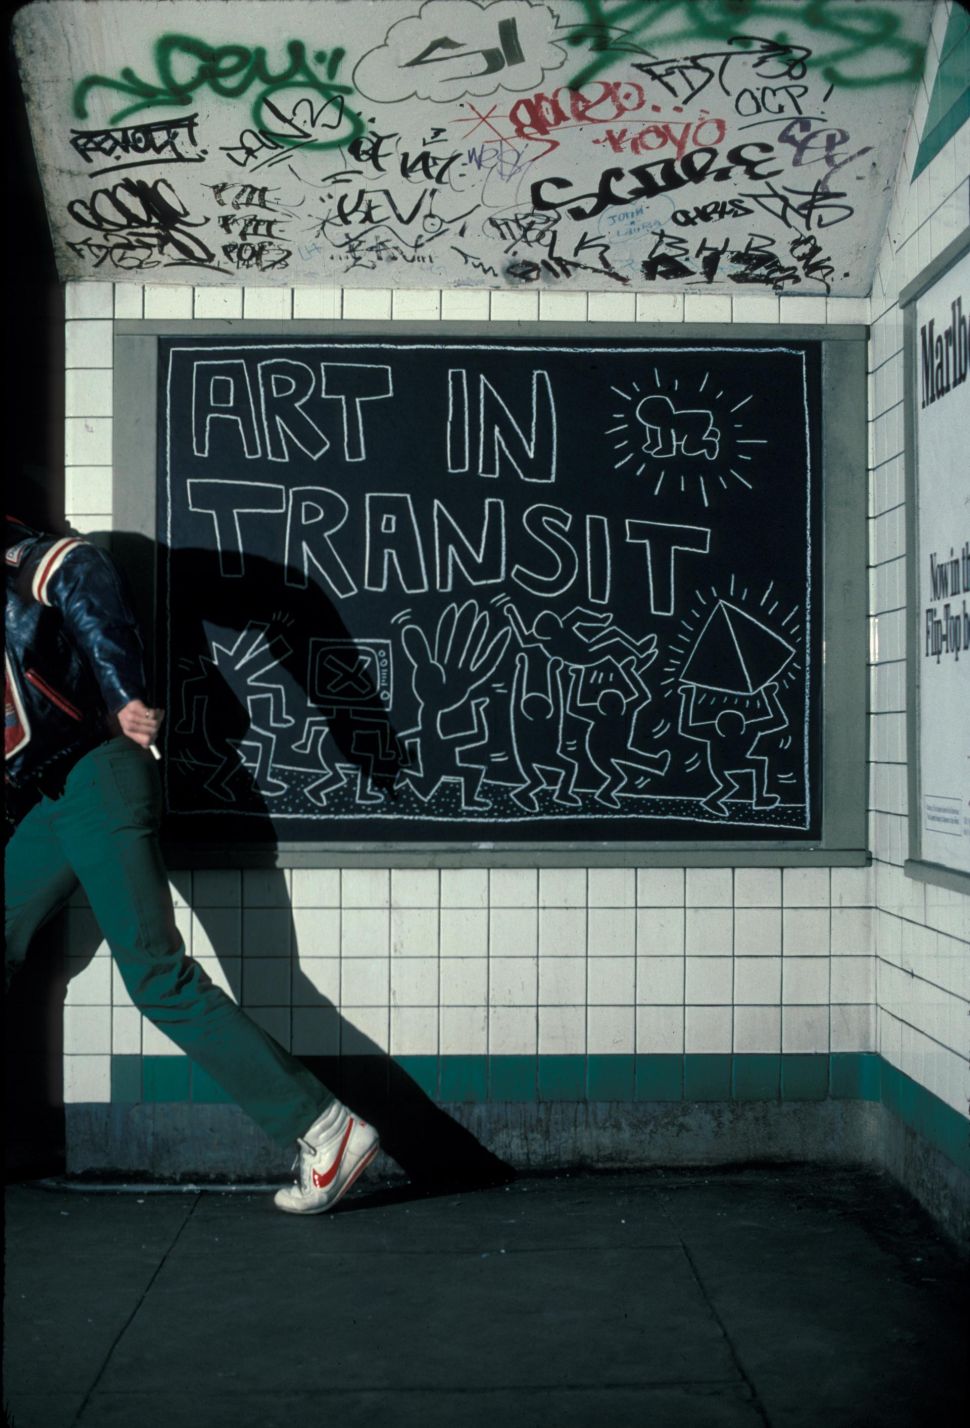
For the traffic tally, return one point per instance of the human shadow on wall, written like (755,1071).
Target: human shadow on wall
(432,1148)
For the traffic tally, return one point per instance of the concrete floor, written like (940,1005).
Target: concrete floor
(794,1297)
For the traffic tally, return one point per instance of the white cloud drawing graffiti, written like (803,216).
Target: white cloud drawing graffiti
(457,47)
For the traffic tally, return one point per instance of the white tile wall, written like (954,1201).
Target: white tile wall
(895,953)
(269,304)
(87,1077)
(416,305)
(465,305)
(604,959)
(467,960)
(562,1029)
(163,300)
(317,303)
(218,303)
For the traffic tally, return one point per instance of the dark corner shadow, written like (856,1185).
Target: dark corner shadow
(33,1056)
(434,1151)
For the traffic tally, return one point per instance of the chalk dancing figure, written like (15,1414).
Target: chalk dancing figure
(316,731)
(348,689)
(603,720)
(228,671)
(580,638)
(616,728)
(539,738)
(671,432)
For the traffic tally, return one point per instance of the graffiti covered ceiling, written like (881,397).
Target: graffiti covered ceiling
(684,145)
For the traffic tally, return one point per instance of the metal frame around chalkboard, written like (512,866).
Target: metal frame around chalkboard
(844,672)
(916,866)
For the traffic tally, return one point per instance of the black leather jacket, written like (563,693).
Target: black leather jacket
(73,657)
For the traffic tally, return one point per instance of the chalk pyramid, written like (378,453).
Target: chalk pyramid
(735,653)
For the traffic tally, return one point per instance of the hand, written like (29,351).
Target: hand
(136,721)
(463,656)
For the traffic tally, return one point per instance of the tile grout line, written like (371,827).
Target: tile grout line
(131,1317)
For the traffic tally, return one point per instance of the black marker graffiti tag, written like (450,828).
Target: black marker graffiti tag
(149,215)
(138,144)
(262,256)
(756,261)
(306,126)
(684,79)
(818,208)
(663,176)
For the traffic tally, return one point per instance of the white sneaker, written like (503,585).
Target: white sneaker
(336,1149)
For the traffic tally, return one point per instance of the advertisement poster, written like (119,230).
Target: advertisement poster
(942,634)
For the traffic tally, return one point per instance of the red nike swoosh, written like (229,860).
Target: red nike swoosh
(321,1182)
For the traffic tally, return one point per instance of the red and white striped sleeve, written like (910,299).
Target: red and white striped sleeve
(49,565)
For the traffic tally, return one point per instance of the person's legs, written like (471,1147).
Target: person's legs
(107,824)
(39,879)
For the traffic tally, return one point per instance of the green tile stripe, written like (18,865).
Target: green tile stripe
(949,106)
(841,1076)
(931,1118)
(162,1078)
(757,1077)
(659,1078)
(561,1078)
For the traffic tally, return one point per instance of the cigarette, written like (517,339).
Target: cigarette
(154,751)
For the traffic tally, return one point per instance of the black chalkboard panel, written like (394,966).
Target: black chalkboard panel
(496,590)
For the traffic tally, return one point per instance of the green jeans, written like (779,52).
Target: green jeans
(102,832)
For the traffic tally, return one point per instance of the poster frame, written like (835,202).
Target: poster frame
(844,766)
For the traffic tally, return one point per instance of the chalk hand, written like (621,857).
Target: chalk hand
(465,655)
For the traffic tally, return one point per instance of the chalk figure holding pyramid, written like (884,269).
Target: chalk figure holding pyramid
(729,702)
